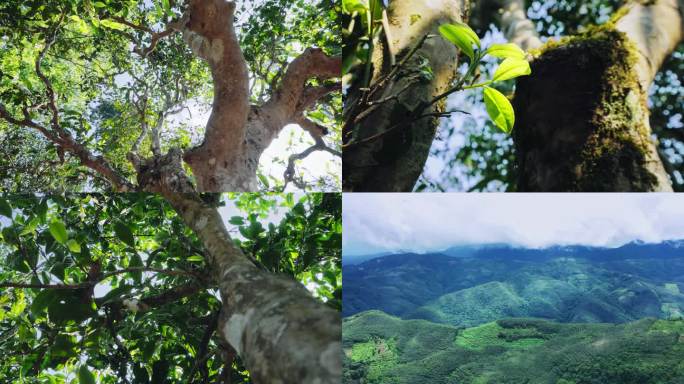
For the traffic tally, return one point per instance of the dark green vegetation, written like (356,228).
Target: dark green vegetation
(497,314)
(71,266)
(384,349)
(569,284)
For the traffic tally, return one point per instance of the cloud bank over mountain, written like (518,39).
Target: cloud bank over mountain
(428,222)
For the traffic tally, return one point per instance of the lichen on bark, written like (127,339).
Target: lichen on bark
(587,130)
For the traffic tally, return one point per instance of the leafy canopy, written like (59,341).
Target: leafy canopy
(136,296)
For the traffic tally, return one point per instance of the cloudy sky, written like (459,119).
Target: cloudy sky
(422,222)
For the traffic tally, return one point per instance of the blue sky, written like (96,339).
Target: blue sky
(431,221)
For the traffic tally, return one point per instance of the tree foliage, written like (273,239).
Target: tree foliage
(116,289)
(122,82)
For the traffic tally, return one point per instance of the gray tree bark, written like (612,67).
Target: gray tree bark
(280,331)
(582,117)
(395,160)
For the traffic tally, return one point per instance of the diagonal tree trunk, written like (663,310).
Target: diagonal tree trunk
(395,160)
(582,117)
(280,331)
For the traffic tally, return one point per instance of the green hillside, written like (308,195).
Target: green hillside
(380,348)
(565,290)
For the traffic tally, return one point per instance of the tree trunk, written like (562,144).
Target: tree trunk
(582,116)
(395,160)
(279,330)
(237,134)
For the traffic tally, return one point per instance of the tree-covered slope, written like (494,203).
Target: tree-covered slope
(566,284)
(565,290)
(380,348)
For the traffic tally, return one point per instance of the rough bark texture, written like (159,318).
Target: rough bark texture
(209,33)
(395,161)
(511,17)
(582,117)
(236,135)
(281,332)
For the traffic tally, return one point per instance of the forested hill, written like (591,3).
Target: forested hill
(566,284)
(380,348)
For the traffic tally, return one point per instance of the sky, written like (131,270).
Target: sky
(374,223)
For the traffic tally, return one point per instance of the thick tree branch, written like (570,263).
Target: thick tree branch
(265,317)
(210,34)
(312,63)
(511,16)
(656,28)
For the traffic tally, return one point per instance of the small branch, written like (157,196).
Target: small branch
(155,39)
(310,95)
(147,269)
(202,355)
(99,279)
(143,28)
(43,286)
(317,132)
(399,125)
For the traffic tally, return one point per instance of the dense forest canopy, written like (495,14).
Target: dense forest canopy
(91,89)
(117,289)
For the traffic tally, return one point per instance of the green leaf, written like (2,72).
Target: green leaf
(5,208)
(124,233)
(462,36)
(42,301)
(58,231)
(99,4)
(504,51)
(499,109)
(85,376)
(264,180)
(112,25)
(351,6)
(73,246)
(512,68)
(237,220)
(196,258)
(167,7)
(136,262)
(30,227)
(69,306)
(116,293)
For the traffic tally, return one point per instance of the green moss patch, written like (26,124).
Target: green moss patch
(583,113)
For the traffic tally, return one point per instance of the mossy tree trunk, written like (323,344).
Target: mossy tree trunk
(395,160)
(582,117)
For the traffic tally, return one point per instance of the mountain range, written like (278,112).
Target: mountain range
(567,284)
(498,314)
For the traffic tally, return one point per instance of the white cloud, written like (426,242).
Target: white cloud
(420,222)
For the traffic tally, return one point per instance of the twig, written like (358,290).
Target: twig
(400,125)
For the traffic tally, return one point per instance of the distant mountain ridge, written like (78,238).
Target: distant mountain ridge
(562,283)
(475,249)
